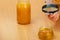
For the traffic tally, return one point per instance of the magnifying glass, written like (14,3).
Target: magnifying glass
(50,8)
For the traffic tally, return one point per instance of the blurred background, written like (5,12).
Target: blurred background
(10,30)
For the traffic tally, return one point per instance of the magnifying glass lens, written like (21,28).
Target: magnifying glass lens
(50,8)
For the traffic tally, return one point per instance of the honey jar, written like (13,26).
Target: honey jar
(45,33)
(23,12)
(57,2)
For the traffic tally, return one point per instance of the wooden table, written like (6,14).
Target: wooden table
(9,28)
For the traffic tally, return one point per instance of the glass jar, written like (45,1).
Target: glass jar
(23,12)
(46,33)
(57,2)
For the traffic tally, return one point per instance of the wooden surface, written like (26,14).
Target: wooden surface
(10,30)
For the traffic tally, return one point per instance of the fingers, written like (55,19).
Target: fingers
(54,17)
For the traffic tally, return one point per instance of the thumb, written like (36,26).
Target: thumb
(54,17)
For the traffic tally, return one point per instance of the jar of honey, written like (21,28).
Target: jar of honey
(23,12)
(45,33)
(57,2)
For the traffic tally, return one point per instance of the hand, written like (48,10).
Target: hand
(54,17)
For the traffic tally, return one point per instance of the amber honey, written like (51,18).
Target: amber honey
(46,34)
(56,2)
(23,13)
